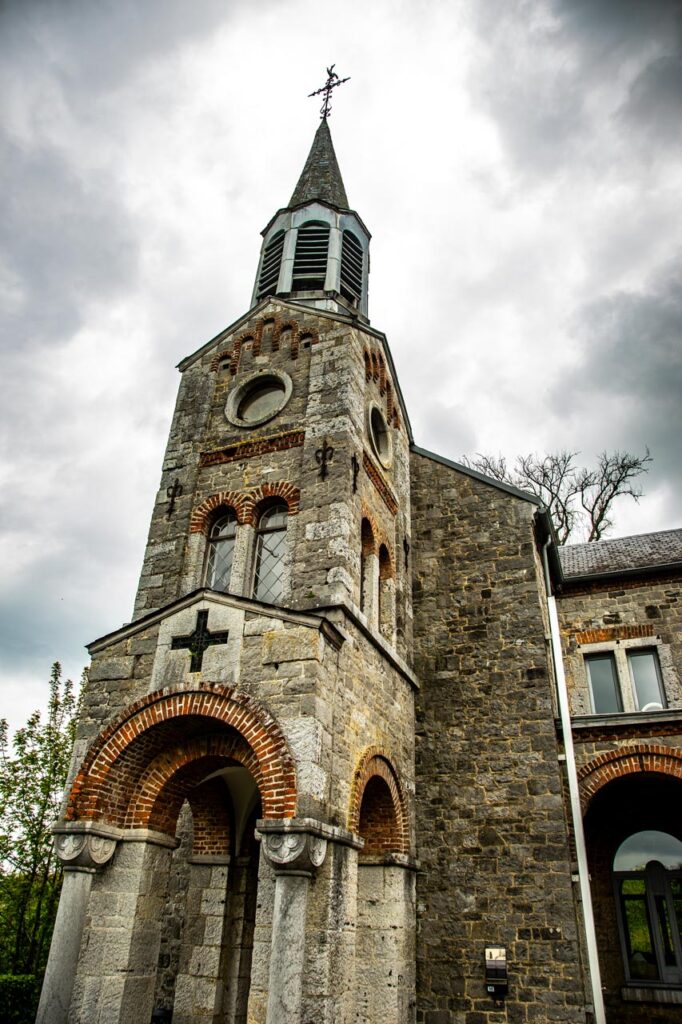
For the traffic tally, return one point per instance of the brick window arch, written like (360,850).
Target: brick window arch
(377,806)
(246,504)
(615,764)
(140,769)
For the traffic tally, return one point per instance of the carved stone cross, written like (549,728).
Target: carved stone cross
(199,641)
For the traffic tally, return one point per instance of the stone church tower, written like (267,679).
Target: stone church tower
(321,777)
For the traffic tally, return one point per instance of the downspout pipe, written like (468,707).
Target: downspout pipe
(574,794)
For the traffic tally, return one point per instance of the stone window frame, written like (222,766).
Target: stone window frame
(619,649)
(251,382)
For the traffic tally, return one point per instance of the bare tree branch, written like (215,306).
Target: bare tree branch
(580,500)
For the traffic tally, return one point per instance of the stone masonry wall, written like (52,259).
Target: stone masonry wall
(208,455)
(618,612)
(492,836)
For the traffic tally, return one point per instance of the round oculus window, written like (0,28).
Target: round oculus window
(258,398)
(379,435)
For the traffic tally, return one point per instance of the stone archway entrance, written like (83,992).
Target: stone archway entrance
(164,923)
(631,820)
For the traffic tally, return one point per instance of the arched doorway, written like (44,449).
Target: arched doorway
(634,839)
(183,776)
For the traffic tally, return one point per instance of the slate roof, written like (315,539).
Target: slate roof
(643,551)
(321,177)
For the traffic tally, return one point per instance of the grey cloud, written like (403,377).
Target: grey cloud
(548,61)
(97,45)
(64,240)
(633,365)
(654,103)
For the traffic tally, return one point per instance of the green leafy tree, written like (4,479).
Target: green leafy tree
(33,767)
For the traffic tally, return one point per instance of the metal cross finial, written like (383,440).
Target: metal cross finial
(332,81)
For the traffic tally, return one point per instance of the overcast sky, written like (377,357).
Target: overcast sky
(519,165)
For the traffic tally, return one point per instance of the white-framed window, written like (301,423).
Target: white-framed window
(647,876)
(625,677)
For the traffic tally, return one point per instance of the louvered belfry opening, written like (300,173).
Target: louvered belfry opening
(351,267)
(272,261)
(310,258)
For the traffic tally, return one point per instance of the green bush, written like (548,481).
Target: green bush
(19,995)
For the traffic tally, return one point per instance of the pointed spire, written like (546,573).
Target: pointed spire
(321,177)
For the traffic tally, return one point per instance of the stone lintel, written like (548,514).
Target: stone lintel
(210,859)
(390,860)
(312,826)
(104,831)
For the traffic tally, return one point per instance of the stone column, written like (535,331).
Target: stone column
(116,976)
(82,854)
(295,857)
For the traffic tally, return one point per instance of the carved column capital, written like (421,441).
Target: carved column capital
(294,853)
(84,850)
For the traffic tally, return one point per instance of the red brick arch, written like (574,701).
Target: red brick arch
(246,504)
(395,836)
(134,760)
(628,760)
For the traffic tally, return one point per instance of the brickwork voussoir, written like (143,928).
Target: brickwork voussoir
(615,764)
(124,769)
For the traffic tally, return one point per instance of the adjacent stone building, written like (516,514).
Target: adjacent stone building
(332,770)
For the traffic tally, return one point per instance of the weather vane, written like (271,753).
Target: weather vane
(332,81)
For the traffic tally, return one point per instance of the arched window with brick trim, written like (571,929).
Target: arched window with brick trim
(386,595)
(268,576)
(220,550)
(367,570)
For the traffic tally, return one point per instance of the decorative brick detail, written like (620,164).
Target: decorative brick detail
(377,805)
(375,476)
(610,633)
(627,760)
(246,504)
(247,449)
(375,370)
(238,501)
(148,760)
(261,495)
(273,327)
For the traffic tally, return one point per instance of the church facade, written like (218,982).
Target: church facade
(373,749)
